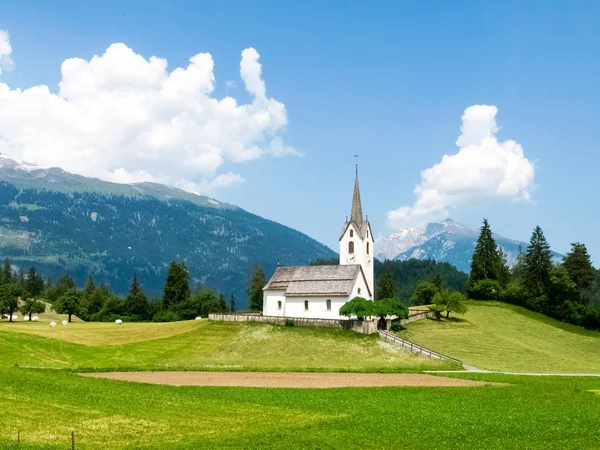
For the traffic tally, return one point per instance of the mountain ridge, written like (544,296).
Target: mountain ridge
(445,241)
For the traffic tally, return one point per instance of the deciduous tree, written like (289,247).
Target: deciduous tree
(68,303)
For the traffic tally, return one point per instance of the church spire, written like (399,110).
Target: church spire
(356,214)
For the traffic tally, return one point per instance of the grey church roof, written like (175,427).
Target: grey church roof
(314,281)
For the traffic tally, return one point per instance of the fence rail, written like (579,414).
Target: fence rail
(417,349)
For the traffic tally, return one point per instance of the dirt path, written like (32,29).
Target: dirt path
(286,379)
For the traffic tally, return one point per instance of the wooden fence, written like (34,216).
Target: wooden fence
(399,342)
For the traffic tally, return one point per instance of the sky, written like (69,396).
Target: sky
(455,109)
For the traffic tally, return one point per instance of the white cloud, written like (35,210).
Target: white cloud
(483,169)
(125,118)
(230,84)
(6,61)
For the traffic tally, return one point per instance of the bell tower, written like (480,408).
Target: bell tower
(356,241)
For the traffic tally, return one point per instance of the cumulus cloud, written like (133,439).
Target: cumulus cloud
(484,168)
(5,51)
(230,84)
(125,118)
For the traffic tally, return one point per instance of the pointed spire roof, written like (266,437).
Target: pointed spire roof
(356,215)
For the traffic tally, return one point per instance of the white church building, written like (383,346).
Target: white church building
(318,292)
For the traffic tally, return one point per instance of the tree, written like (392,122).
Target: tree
(136,303)
(486,259)
(537,263)
(95,302)
(503,270)
(390,307)
(519,267)
(68,303)
(232,303)
(32,306)
(89,287)
(359,307)
(34,283)
(449,301)
(257,282)
(386,288)
(202,303)
(579,267)
(6,276)
(562,290)
(222,304)
(177,287)
(10,294)
(424,293)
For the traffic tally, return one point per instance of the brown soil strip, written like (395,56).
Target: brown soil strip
(286,379)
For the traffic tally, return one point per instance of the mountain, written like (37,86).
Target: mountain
(58,221)
(446,241)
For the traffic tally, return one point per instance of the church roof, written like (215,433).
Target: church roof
(314,281)
(356,214)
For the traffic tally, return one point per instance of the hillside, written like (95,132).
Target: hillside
(200,345)
(498,336)
(112,236)
(446,241)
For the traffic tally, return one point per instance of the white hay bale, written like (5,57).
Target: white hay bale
(26,318)
(15,317)
(198,318)
(118,321)
(65,323)
(35,318)
(52,324)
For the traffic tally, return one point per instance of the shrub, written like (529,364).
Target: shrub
(484,290)
(165,315)
(289,323)
(396,325)
(514,293)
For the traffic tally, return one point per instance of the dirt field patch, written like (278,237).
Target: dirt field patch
(286,379)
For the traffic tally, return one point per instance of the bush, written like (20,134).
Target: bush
(165,315)
(289,323)
(484,290)
(396,325)
(514,293)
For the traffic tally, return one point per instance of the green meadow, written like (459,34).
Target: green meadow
(43,400)
(502,337)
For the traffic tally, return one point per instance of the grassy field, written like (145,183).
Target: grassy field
(46,405)
(199,345)
(497,336)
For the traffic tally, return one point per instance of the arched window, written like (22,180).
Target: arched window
(328,305)
(367,248)
(351,233)
(358,291)
(351,247)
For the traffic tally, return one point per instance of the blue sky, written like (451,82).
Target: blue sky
(388,81)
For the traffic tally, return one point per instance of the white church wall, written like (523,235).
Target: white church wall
(270,303)
(360,253)
(317,307)
(360,289)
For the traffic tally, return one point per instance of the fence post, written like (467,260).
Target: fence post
(72,440)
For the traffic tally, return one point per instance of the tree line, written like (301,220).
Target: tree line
(30,294)
(568,290)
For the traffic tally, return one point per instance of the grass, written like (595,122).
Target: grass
(497,336)
(200,345)
(46,405)
(540,412)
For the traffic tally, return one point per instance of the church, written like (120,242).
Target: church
(318,292)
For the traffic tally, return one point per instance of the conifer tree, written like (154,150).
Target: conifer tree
(386,288)
(579,266)
(486,261)
(537,263)
(503,270)
(222,304)
(6,277)
(35,283)
(89,288)
(519,267)
(136,303)
(257,282)
(232,303)
(177,287)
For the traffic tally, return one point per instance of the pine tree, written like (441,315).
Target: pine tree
(232,303)
(35,283)
(89,288)
(6,276)
(136,303)
(519,267)
(579,266)
(486,260)
(177,287)
(222,304)
(537,263)
(503,270)
(386,288)
(257,282)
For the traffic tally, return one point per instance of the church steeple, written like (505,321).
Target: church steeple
(356,215)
